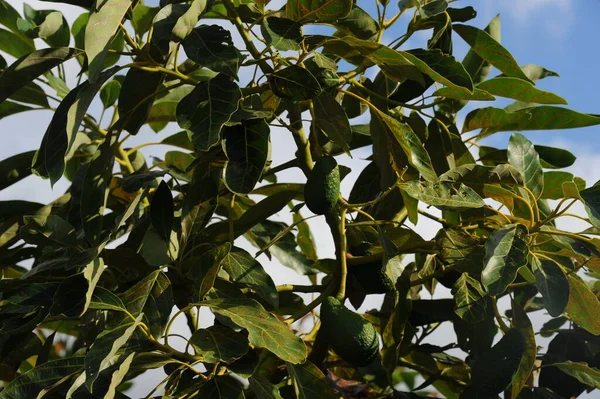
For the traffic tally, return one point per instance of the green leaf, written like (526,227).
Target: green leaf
(474,174)
(48,230)
(543,117)
(93,195)
(490,50)
(9,17)
(30,66)
(410,143)
(247,147)
(180,139)
(317,10)
(310,382)
(591,198)
(31,94)
(164,109)
(444,196)
(103,352)
(264,329)
(109,94)
(331,118)
(15,45)
(505,252)
(552,283)
(555,158)
(15,168)
(523,324)
(134,106)
(8,108)
(247,272)
(207,108)
(204,269)
(219,344)
(152,296)
(294,83)
(495,368)
(585,374)
(282,33)
(186,23)
(493,118)
(211,46)
(477,95)
(102,26)
(62,130)
(583,307)
(357,23)
(553,184)
(262,388)
(142,17)
(198,206)
(470,303)
(103,299)
(162,211)
(523,156)
(402,65)
(221,387)
(519,90)
(29,384)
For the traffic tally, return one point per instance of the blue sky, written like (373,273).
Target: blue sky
(556,34)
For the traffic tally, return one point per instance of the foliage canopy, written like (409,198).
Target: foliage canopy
(132,245)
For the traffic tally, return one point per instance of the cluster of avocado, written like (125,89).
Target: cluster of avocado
(349,334)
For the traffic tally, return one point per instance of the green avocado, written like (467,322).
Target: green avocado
(322,188)
(372,278)
(349,334)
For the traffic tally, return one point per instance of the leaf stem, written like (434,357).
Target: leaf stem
(300,288)
(498,316)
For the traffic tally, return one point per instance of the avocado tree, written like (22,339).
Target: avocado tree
(93,281)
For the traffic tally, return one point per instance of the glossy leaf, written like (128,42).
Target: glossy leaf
(553,184)
(444,196)
(410,143)
(109,94)
(15,45)
(357,23)
(520,90)
(582,372)
(505,252)
(490,50)
(264,330)
(30,66)
(309,381)
(204,269)
(161,211)
(523,156)
(211,46)
(282,33)
(262,388)
(8,108)
(247,147)
(135,98)
(332,120)
(317,10)
(583,306)
(206,109)
(469,299)
(101,28)
(15,168)
(186,23)
(48,230)
(103,353)
(294,83)
(494,370)
(248,272)
(552,283)
(523,324)
(219,344)
(29,384)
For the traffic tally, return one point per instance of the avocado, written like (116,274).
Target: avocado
(372,278)
(322,188)
(349,334)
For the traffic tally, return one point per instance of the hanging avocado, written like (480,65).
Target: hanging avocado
(322,188)
(349,334)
